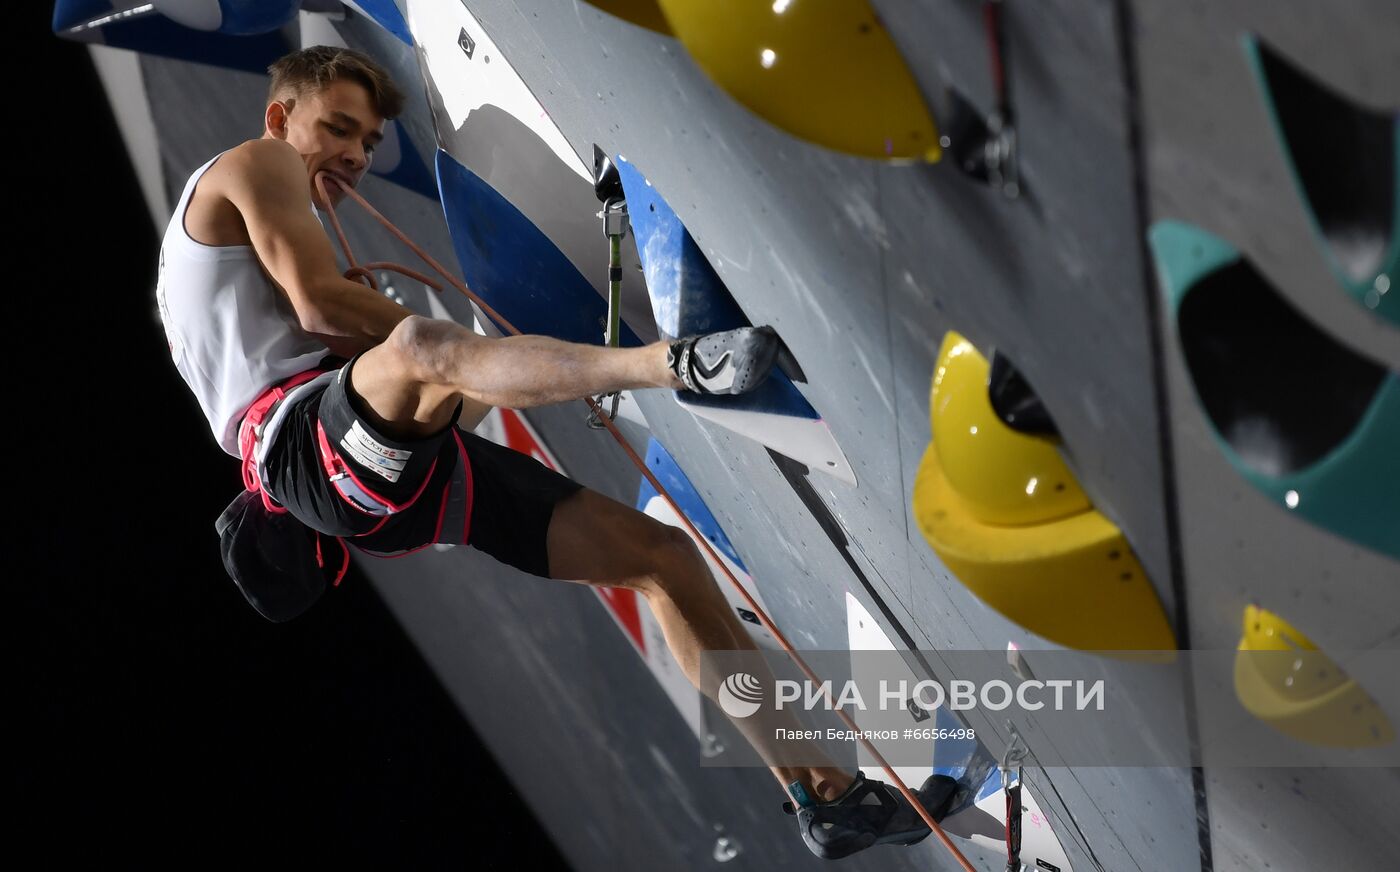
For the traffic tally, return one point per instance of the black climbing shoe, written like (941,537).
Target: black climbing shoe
(732,362)
(870,812)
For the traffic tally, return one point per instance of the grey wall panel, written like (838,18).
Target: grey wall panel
(189,137)
(1054,279)
(120,72)
(1057,283)
(1212,159)
(1303,818)
(1212,156)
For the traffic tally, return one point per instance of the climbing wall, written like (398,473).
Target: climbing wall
(863,267)
(1213,158)
(1127,115)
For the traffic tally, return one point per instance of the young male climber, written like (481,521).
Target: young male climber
(353,414)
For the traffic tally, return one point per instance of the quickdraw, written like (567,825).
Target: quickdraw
(1011,760)
(999,151)
(616,223)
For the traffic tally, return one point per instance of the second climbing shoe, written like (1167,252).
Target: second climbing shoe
(868,813)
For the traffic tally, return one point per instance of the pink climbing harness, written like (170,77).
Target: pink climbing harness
(249,433)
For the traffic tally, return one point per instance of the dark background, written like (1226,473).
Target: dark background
(162,720)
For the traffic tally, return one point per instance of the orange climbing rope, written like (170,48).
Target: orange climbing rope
(364,272)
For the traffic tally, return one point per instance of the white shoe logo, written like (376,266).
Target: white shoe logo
(720,377)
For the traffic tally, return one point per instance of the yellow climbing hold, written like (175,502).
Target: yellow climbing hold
(1284,680)
(1006,516)
(827,72)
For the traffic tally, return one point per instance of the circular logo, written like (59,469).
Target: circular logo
(740,695)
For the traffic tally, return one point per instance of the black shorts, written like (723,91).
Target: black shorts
(450,487)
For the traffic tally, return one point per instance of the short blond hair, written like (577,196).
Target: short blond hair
(311,70)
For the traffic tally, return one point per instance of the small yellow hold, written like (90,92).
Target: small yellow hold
(1284,680)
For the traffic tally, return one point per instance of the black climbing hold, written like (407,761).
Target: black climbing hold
(1277,388)
(1015,401)
(607,184)
(965,135)
(1344,157)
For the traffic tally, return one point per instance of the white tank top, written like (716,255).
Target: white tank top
(231,333)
